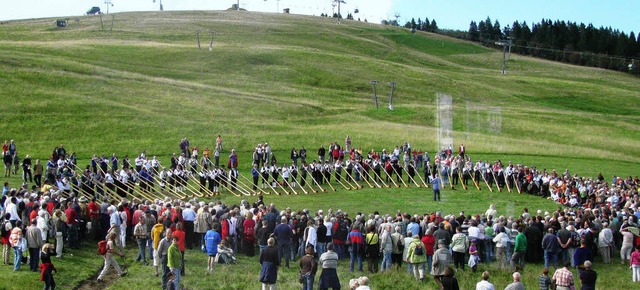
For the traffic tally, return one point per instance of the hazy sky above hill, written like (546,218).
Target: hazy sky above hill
(451,14)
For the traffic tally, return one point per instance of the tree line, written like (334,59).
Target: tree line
(564,41)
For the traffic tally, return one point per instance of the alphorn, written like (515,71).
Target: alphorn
(485,181)
(396,171)
(390,177)
(358,186)
(372,179)
(327,181)
(506,181)
(410,178)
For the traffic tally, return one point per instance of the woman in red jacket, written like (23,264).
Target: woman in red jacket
(429,243)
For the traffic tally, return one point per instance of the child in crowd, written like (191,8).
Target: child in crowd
(473,255)
(545,281)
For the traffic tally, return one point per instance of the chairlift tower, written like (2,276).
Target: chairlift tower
(375,96)
(393,87)
(108,3)
(339,2)
(504,44)
(161,7)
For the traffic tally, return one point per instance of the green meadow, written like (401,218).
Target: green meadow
(290,80)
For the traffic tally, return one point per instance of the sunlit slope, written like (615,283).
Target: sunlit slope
(294,80)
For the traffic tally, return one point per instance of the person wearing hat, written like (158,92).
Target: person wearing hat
(441,261)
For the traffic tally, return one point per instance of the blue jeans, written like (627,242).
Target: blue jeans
(17,259)
(307,282)
(386,261)
(488,249)
(284,251)
(549,255)
(150,246)
(428,264)
(340,250)
(142,250)
(176,280)
(165,272)
(355,257)
(321,248)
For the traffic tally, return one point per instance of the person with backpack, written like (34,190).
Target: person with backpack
(108,250)
(417,256)
(340,231)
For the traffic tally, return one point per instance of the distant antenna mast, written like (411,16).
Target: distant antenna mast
(397,15)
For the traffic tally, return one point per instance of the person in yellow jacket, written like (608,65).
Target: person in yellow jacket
(417,256)
(156,236)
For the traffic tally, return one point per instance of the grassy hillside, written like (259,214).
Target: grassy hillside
(296,80)
(293,80)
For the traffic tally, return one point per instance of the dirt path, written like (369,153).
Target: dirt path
(92,284)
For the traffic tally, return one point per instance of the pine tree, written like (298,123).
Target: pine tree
(473,33)
(434,26)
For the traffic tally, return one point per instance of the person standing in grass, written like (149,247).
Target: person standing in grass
(372,251)
(441,261)
(435,181)
(270,264)
(179,233)
(156,237)
(516,284)
(329,276)
(563,278)
(459,247)
(174,261)
(15,238)
(544,280)
(519,251)
(162,252)
(417,256)
(308,268)
(212,238)
(588,277)
(47,267)
(635,265)
(140,234)
(109,260)
(485,284)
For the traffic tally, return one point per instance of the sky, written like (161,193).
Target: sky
(449,14)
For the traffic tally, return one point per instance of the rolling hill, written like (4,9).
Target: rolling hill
(142,83)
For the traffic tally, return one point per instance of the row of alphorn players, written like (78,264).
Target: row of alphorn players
(349,174)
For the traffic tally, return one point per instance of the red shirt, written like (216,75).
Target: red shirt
(33,214)
(429,242)
(94,210)
(71,216)
(180,235)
